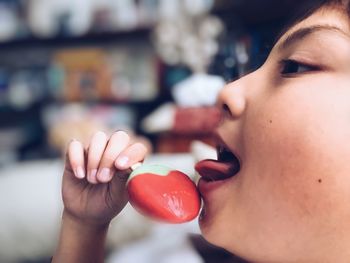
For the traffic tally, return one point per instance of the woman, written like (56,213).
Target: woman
(282,188)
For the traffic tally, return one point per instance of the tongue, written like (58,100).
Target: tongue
(212,170)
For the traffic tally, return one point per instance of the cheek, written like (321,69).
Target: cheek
(295,183)
(300,154)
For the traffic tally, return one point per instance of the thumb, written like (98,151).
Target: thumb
(118,189)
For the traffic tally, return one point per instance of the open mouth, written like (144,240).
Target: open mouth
(227,165)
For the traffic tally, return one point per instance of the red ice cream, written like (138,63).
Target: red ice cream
(163,194)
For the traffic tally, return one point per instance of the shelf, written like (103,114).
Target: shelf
(50,101)
(88,39)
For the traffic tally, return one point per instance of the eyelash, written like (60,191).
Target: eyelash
(292,67)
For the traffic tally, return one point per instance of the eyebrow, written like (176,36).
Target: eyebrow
(306,31)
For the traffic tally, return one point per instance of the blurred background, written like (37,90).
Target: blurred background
(152,67)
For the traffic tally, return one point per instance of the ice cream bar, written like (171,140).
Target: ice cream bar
(163,194)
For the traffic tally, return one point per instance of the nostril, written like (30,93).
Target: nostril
(226,110)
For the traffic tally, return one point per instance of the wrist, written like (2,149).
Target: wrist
(80,241)
(87,226)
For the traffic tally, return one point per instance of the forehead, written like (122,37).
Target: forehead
(326,16)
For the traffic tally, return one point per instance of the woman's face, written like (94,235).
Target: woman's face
(289,125)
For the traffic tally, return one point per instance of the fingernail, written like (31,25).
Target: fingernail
(122,161)
(93,173)
(80,172)
(105,174)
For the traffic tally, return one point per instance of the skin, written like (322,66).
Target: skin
(91,197)
(289,129)
(290,200)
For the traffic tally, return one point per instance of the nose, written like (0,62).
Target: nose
(232,99)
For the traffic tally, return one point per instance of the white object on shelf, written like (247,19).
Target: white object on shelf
(162,119)
(8,23)
(198,90)
(198,7)
(201,151)
(43,16)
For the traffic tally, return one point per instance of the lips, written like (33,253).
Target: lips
(225,167)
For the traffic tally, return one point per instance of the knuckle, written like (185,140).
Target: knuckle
(74,142)
(93,160)
(73,162)
(98,143)
(108,158)
(100,134)
(92,165)
(141,147)
(70,143)
(120,135)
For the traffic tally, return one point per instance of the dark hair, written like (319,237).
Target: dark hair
(308,7)
(298,11)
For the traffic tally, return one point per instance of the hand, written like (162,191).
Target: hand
(94,179)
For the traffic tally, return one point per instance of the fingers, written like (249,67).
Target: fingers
(95,152)
(76,158)
(104,156)
(131,155)
(117,143)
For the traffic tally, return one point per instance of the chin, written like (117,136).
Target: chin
(240,244)
(217,231)
(212,228)
(219,239)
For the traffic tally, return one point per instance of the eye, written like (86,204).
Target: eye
(290,67)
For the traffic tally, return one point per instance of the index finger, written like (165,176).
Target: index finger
(133,154)
(76,158)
